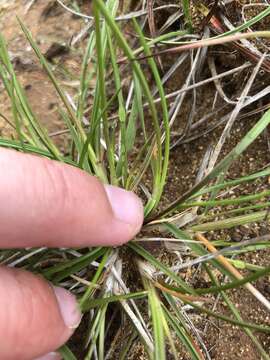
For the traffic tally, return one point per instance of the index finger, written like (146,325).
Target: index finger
(46,203)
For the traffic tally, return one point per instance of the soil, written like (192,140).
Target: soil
(54,28)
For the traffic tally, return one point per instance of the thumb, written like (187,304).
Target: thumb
(35,318)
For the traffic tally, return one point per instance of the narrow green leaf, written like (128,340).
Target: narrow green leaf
(257,129)
(93,303)
(66,353)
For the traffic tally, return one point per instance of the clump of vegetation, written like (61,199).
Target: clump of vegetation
(125,139)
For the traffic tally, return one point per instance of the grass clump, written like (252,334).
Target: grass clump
(127,142)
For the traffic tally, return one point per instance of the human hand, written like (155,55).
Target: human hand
(45,203)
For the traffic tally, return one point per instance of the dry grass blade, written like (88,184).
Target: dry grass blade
(235,112)
(209,42)
(261,298)
(134,313)
(151,20)
(245,47)
(129,16)
(176,106)
(212,67)
(179,295)
(29,5)
(207,81)
(152,26)
(208,257)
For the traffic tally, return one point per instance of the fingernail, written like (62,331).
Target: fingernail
(50,356)
(68,306)
(127,206)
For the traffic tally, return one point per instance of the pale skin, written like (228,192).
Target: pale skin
(45,203)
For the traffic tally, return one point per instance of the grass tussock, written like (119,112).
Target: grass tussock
(127,142)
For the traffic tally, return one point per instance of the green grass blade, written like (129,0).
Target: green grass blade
(63,270)
(66,353)
(157,314)
(187,14)
(94,161)
(165,122)
(87,294)
(248,139)
(242,324)
(225,202)
(146,255)
(122,165)
(101,42)
(235,182)
(231,222)
(13,144)
(237,315)
(85,76)
(87,142)
(139,73)
(93,303)
(182,334)
(20,105)
(235,284)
